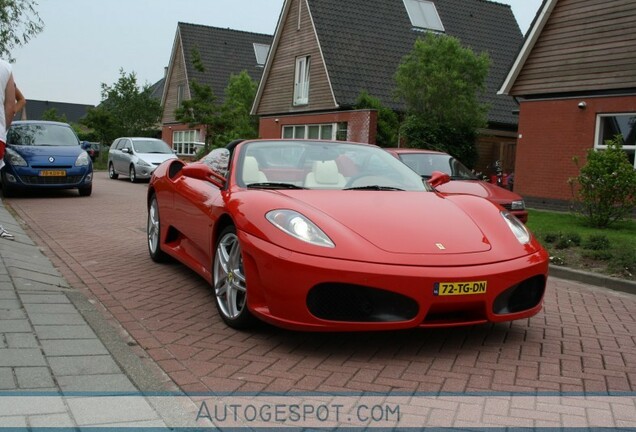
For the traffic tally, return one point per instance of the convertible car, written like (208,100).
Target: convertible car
(337,236)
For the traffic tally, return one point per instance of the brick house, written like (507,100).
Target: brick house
(325,52)
(224,52)
(575,79)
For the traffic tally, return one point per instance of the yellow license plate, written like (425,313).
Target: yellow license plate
(459,288)
(53,173)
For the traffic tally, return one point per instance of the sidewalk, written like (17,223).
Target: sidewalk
(48,348)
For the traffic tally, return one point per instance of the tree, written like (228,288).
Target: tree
(51,114)
(607,185)
(388,122)
(440,82)
(126,110)
(202,108)
(236,120)
(19,22)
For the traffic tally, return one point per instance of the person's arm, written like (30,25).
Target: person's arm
(20,100)
(9,102)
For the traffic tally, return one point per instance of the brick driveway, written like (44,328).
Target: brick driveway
(583,340)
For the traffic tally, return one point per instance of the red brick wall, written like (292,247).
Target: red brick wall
(550,134)
(362,124)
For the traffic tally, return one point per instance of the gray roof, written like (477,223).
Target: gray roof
(156,90)
(363,42)
(36,108)
(224,52)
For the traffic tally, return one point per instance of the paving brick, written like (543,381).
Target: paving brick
(34,378)
(96,383)
(82,331)
(21,357)
(21,340)
(83,365)
(56,319)
(7,382)
(44,298)
(73,347)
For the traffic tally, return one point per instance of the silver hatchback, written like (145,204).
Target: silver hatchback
(137,158)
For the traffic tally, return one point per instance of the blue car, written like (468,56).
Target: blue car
(45,155)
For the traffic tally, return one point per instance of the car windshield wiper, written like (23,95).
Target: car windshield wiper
(273,185)
(375,187)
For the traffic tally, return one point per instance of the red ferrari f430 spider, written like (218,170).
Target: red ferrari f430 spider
(339,236)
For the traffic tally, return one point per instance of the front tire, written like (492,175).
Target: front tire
(86,190)
(132,174)
(153,229)
(8,191)
(111,172)
(230,287)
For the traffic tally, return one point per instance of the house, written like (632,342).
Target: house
(575,79)
(35,109)
(223,52)
(325,52)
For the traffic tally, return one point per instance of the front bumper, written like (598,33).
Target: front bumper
(29,178)
(286,287)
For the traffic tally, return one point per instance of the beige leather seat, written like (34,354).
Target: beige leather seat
(251,171)
(325,175)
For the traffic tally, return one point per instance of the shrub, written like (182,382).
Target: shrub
(596,242)
(624,262)
(551,237)
(598,255)
(607,185)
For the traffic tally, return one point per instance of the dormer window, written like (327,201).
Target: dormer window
(260,51)
(423,15)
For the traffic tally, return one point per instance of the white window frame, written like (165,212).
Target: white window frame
(301,131)
(598,137)
(424,15)
(301,80)
(184,142)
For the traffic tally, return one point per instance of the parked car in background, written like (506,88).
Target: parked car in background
(92,148)
(137,158)
(463,180)
(45,155)
(331,235)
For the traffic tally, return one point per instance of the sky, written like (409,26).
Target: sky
(86,42)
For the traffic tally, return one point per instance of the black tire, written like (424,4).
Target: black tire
(228,275)
(7,190)
(153,231)
(86,190)
(132,174)
(111,172)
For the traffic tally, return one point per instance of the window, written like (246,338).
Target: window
(260,51)
(423,15)
(301,81)
(183,142)
(325,131)
(180,94)
(608,126)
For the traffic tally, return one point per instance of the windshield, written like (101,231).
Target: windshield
(41,134)
(305,164)
(425,163)
(151,146)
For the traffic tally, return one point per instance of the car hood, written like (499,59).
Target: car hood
(41,155)
(156,158)
(402,222)
(385,227)
(479,188)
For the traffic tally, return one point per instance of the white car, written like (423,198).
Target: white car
(137,158)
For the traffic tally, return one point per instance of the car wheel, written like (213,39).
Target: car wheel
(230,288)
(86,190)
(132,174)
(7,190)
(111,172)
(153,228)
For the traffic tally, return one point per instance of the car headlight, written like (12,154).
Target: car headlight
(517,227)
(83,159)
(142,162)
(518,205)
(298,226)
(14,158)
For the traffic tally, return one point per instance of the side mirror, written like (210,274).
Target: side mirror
(85,145)
(203,172)
(125,150)
(438,178)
